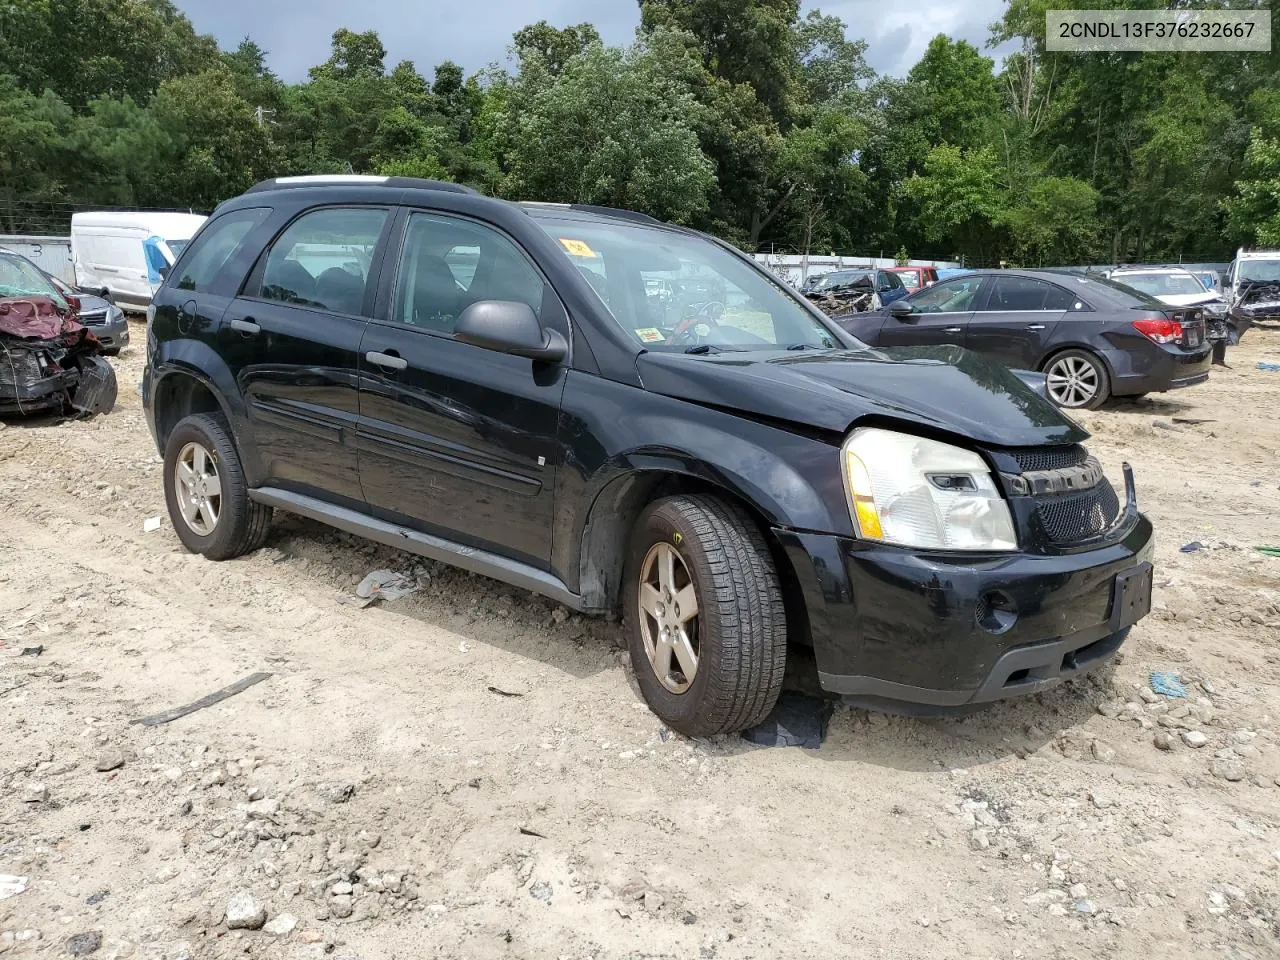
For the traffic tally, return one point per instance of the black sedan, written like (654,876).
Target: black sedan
(1092,338)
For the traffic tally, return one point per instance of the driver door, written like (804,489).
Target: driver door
(939,314)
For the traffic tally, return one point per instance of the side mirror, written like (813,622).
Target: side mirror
(509,326)
(900,310)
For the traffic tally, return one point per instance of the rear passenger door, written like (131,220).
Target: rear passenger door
(939,314)
(1017,320)
(291,338)
(455,439)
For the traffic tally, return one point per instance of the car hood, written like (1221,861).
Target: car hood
(944,388)
(1188,299)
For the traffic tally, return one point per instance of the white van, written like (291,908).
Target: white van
(128,254)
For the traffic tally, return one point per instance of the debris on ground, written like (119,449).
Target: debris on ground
(504,693)
(1269,551)
(32,651)
(385,585)
(217,697)
(11,886)
(151,525)
(1191,547)
(798,720)
(1167,684)
(1269,367)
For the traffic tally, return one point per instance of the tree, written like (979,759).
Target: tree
(611,129)
(352,55)
(550,48)
(955,94)
(1254,210)
(960,199)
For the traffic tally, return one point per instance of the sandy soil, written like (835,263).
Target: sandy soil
(369,798)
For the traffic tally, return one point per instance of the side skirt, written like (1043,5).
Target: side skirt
(424,544)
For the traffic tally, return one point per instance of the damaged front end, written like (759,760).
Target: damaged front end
(1256,303)
(841,301)
(49,362)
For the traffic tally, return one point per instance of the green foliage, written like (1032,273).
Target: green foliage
(742,117)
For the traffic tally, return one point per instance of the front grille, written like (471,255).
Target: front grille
(93,319)
(1079,516)
(1032,459)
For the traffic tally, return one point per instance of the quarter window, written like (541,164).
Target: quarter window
(322,260)
(448,264)
(216,244)
(1058,299)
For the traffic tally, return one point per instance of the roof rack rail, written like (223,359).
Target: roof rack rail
(614,212)
(349,179)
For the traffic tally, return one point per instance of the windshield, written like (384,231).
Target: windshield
(1162,284)
(910,277)
(1260,271)
(18,278)
(675,291)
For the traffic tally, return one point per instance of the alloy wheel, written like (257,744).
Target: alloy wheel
(669,617)
(1072,381)
(199,488)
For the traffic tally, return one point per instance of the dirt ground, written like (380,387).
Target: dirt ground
(375,798)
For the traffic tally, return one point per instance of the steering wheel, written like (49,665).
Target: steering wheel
(707,315)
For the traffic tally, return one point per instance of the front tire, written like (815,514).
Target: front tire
(705,620)
(206,492)
(1077,380)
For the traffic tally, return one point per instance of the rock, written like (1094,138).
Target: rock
(1078,892)
(341,907)
(1086,907)
(1229,770)
(1111,708)
(1163,740)
(245,912)
(1243,736)
(214,778)
(1057,910)
(978,840)
(1101,752)
(1148,695)
(282,925)
(1057,874)
(1194,738)
(35,793)
(541,891)
(1234,893)
(342,889)
(83,944)
(1119,884)
(255,793)
(108,761)
(262,809)
(652,901)
(1217,903)
(1100,801)
(1248,752)
(173,774)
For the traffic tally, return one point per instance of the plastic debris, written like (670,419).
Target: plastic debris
(11,886)
(239,686)
(385,585)
(797,721)
(1167,684)
(504,693)
(32,651)
(1269,551)
(1269,367)
(151,525)
(1191,547)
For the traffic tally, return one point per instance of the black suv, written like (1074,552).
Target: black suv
(635,419)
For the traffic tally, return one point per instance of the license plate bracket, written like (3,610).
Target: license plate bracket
(1131,596)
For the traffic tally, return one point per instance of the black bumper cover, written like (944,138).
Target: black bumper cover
(926,632)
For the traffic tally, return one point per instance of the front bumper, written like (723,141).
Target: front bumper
(112,334)
(925,632)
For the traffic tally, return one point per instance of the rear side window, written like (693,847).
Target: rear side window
(1018,293)
(322,260)
(216,244)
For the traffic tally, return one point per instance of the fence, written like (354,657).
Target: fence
(50,254)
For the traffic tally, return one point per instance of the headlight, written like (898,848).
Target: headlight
(115,314)
(921,493)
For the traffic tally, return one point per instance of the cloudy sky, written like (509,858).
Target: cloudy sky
(296,32)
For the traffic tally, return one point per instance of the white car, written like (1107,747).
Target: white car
(1171,285)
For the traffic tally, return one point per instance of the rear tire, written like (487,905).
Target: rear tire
(206,492)
(736,642)
(1077,380)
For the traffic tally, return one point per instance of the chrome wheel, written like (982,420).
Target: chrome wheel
(199,488)
(669,617)
(1072,381)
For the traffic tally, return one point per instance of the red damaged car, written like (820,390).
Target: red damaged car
(915,278)
(49,361)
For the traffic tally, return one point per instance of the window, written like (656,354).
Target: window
(1009,294)
(672,291)
(889,281)
(1058,299)
(323,259)
(950,296)
(216,243)
(448,264)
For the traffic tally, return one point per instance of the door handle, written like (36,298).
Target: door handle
(387,361)
(951,329)
(1035,326)
(245,326)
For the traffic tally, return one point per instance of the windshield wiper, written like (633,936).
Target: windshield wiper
(703,348)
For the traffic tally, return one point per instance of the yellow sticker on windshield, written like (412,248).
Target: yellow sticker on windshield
(650,334)
(577,248)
